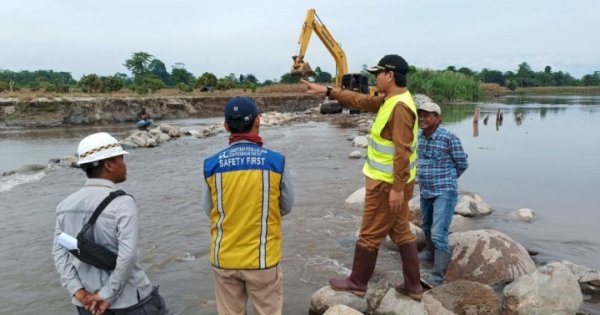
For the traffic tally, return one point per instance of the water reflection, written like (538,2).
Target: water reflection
(522,110)
(542,157)
(499,119)
(518,118)
(552,99)
(456,113)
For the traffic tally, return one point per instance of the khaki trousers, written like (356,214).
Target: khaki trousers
(232,288)
(377,220)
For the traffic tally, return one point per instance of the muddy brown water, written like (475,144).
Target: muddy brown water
(513,166)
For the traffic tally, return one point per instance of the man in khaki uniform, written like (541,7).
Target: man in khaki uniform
(390,172)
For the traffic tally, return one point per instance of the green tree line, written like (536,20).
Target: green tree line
(149,74)
(525,76)
(41,79)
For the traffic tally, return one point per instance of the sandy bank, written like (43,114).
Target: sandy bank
(44,112)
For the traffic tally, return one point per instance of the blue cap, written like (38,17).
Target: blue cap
(240,109)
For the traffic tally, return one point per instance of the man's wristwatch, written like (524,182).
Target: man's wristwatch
(329,88)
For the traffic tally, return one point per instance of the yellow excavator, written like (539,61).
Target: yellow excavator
(344,80)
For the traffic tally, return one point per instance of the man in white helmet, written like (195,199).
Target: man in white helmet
(126,289)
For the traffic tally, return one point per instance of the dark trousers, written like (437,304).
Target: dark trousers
(152,304)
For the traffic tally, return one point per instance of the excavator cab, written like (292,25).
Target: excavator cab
(355,82)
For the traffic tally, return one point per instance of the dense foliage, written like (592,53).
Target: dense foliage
(445,86)
(149,74)
(524,76)
(35,80)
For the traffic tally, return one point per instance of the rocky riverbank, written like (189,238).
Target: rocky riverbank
(47,112)
(489,273)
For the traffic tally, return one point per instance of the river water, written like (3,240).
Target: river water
(547,161)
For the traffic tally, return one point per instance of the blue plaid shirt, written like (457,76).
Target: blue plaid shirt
(441,161)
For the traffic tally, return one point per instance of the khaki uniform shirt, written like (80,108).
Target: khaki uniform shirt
(398,129)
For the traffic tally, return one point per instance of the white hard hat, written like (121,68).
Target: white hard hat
(98,146)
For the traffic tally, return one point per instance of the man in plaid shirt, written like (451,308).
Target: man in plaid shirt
(441,162)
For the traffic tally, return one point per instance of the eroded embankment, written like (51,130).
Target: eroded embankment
(44,112)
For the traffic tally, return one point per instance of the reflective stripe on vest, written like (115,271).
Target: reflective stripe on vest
(219,225)
(381,147)
(380,152)
(244,182)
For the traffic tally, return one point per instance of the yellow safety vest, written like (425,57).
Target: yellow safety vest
(245,186)
(380,152)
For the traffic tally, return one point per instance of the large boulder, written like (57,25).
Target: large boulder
(416,230)
(588,278)
(139,141)
(525,214)
(355,155)
(468,205)
(151,142)
(211,131)
(471,205)
(379,284)
(172,131)
(326,297)
(360,141)
(487,256)
(162,137)
(463,297)
(394,303)
(274,118)
(551,289)
(433,306)
(356,201)
(128,144)
(342,310)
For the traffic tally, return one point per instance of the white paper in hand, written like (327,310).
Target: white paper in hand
(67,241)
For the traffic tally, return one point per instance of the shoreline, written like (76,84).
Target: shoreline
(67,111)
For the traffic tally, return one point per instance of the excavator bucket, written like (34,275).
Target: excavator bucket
(301,68)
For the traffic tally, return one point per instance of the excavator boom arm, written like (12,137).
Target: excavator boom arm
(314,24)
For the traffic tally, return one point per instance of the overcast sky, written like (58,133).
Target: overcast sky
(259,37)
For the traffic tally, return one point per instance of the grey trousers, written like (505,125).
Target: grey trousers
(153,304)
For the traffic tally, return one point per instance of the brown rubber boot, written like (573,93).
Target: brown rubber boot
(362,269)
(410,269)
